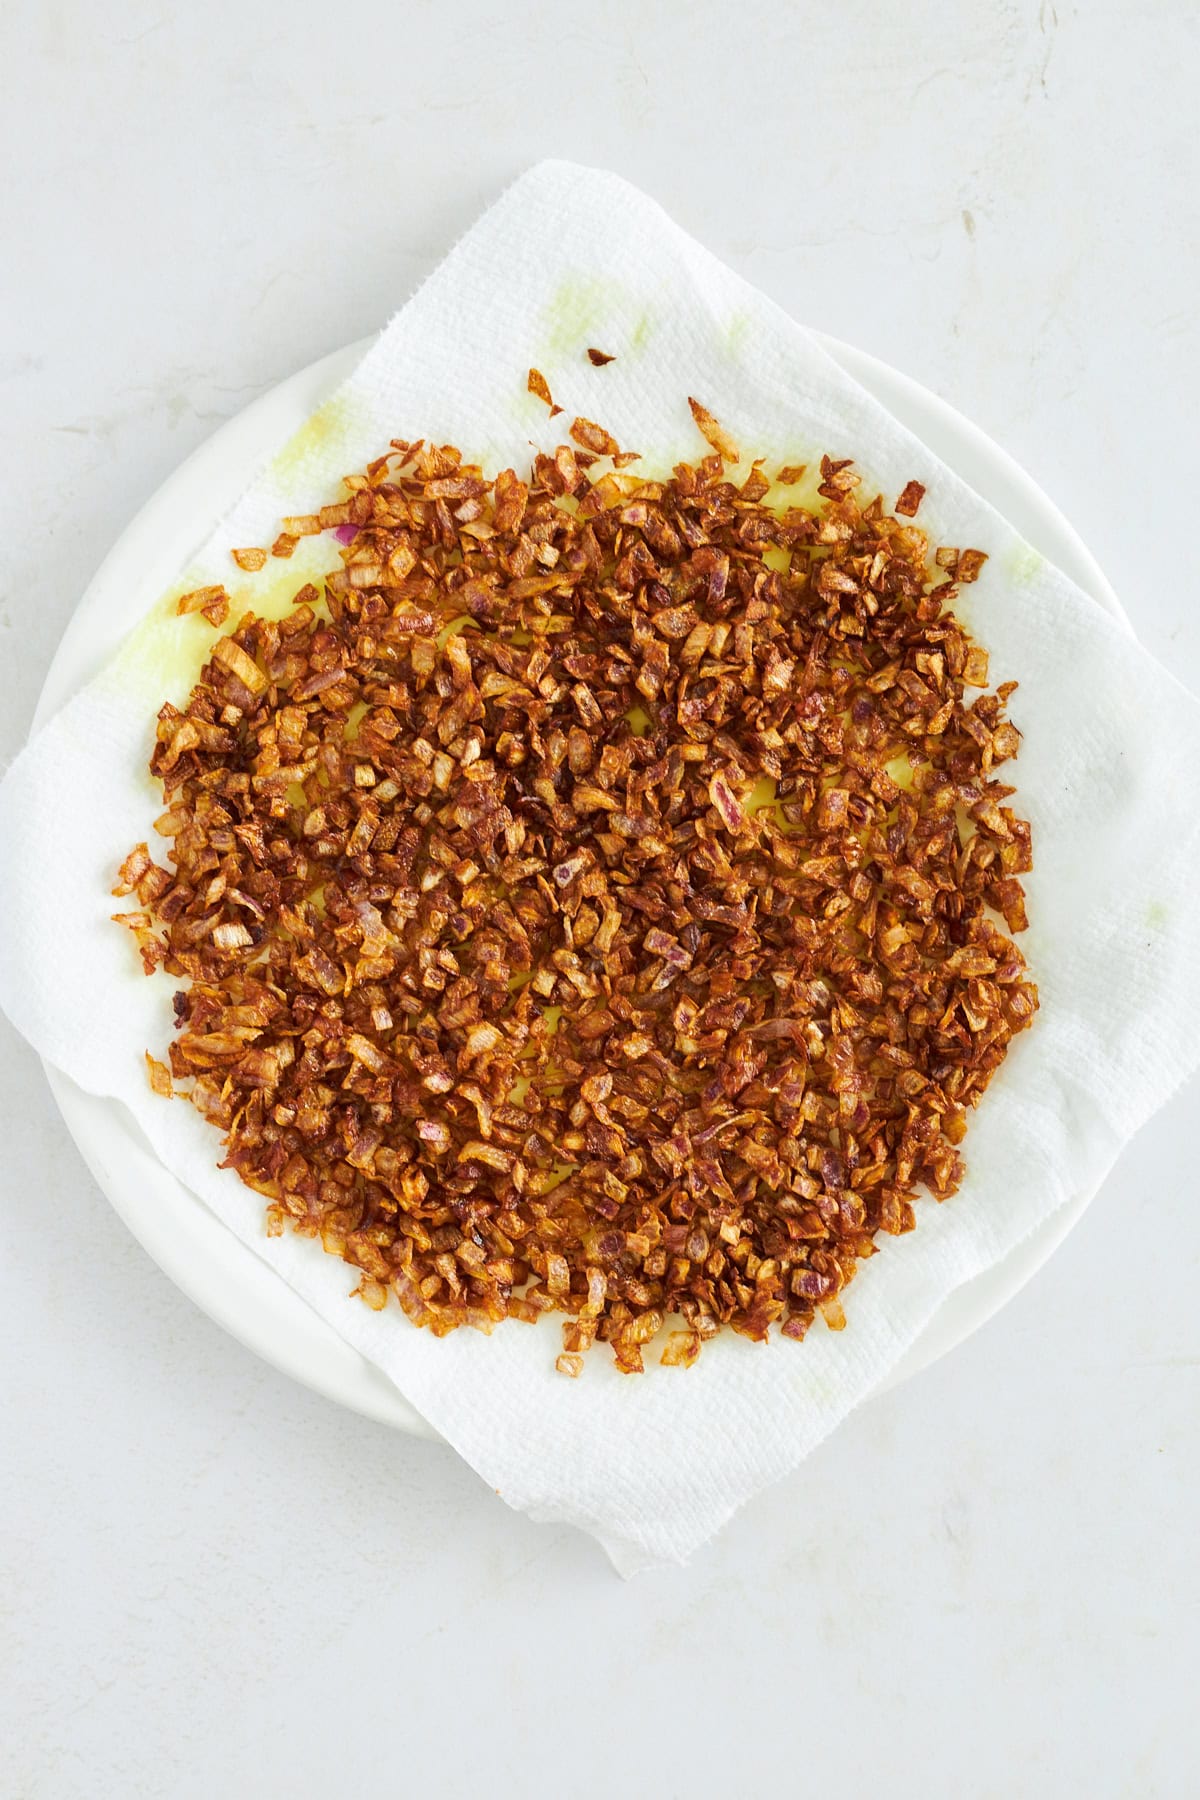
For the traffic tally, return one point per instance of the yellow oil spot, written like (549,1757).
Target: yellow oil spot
(901,772)
(1024,562)
(561,1173)
(639,720)
(780,496)
(761,797)
(271,593)
(737,332)
(355,717)
(762,794)
(326,433)
(1157,915)
(640,335)
(162,657)
(463,622)
(578,308)
(778,558)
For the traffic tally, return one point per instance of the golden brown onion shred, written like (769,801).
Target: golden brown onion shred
(589,902)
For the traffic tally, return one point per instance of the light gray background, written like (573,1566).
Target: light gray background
(215,1583)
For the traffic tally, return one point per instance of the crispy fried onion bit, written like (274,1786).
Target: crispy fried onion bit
(591,901)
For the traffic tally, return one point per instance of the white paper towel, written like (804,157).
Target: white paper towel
(566,259)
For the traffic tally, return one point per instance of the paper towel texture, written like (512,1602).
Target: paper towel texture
(570,258)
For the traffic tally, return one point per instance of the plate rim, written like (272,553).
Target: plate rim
(279,1326)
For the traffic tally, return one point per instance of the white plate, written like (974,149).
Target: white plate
(225,1278)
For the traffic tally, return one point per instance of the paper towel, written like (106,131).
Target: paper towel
(567,259)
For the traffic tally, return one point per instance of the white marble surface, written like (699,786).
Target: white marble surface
(213,1582)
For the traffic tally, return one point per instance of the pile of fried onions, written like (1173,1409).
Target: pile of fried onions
(596,899)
